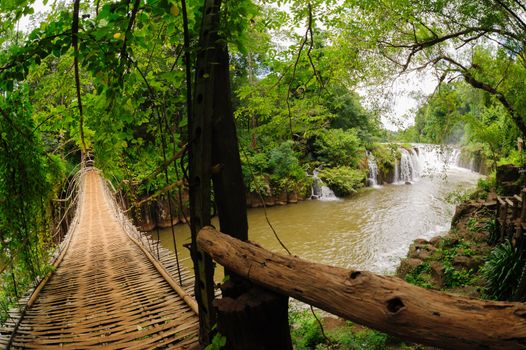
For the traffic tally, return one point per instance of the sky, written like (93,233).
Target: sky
(404,94)
(39,7)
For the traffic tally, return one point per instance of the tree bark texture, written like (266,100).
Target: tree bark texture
(253,318)
(250,318)
(200,164)
(386,303)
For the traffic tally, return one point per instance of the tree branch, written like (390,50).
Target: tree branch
(75,44)
(517,119)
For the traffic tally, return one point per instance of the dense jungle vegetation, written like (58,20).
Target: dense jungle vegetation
(111,78)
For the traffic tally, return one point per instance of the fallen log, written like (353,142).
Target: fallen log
(386,303)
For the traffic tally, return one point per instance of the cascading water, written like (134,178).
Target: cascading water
(422,160)
(319,190)
(372,180)
(407,171)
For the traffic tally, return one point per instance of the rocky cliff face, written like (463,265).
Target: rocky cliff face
(156,214)
(474,161)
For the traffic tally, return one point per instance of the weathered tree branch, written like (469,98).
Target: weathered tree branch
(381,302)
(512,13)
(517,119)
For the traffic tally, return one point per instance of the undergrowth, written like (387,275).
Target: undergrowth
(307,335)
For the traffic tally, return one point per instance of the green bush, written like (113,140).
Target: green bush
(488,183)
(491,228)
(306,333)
(514,157)
(286,174)
(386,156)
(502,271)
(343,180)
(336,147)
(420,276)
(277,169)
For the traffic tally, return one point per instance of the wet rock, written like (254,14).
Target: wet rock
(270,201)
(467,262)
(421,249)
(420,241)
(408,183)
(435,241)
(255,200)
(406,266)
(437,274)
(292,197)
(281,199)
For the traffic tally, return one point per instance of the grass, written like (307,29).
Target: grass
(307,335)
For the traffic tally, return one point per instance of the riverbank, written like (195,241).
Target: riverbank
(453,262)
(450,263)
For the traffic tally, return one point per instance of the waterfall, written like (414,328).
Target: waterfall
(408,168)
(372,180)
(422,160)
(436,158)
(319,190)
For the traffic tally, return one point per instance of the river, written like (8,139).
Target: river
(370,231)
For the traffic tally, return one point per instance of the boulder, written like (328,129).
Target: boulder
(467,262)
(255,200)
(437,274)
(270,201)
(281,198)
(406,266)
(435,241)
(421,249)
(292,197)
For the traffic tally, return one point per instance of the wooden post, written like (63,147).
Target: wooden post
(214,154)
(386,303)
(200,164)
(248,315)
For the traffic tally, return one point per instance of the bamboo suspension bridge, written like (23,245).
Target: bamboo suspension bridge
(108,289)
(111,290)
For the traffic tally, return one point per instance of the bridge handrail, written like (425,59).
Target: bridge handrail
(139,239)
(56,257)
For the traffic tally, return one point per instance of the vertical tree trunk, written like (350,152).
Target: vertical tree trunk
(245,310)
(200,162)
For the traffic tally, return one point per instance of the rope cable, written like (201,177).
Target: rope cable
(163,147)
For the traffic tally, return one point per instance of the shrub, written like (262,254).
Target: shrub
(306,333)
(279,169)
(420,276)
(488,183)
(514,157)
(286,174)
(502,271)
(386,156)
(343,180)
(336,147)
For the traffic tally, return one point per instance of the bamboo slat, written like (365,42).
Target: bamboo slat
(108,291)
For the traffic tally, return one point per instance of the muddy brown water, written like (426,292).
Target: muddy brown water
(370,231)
